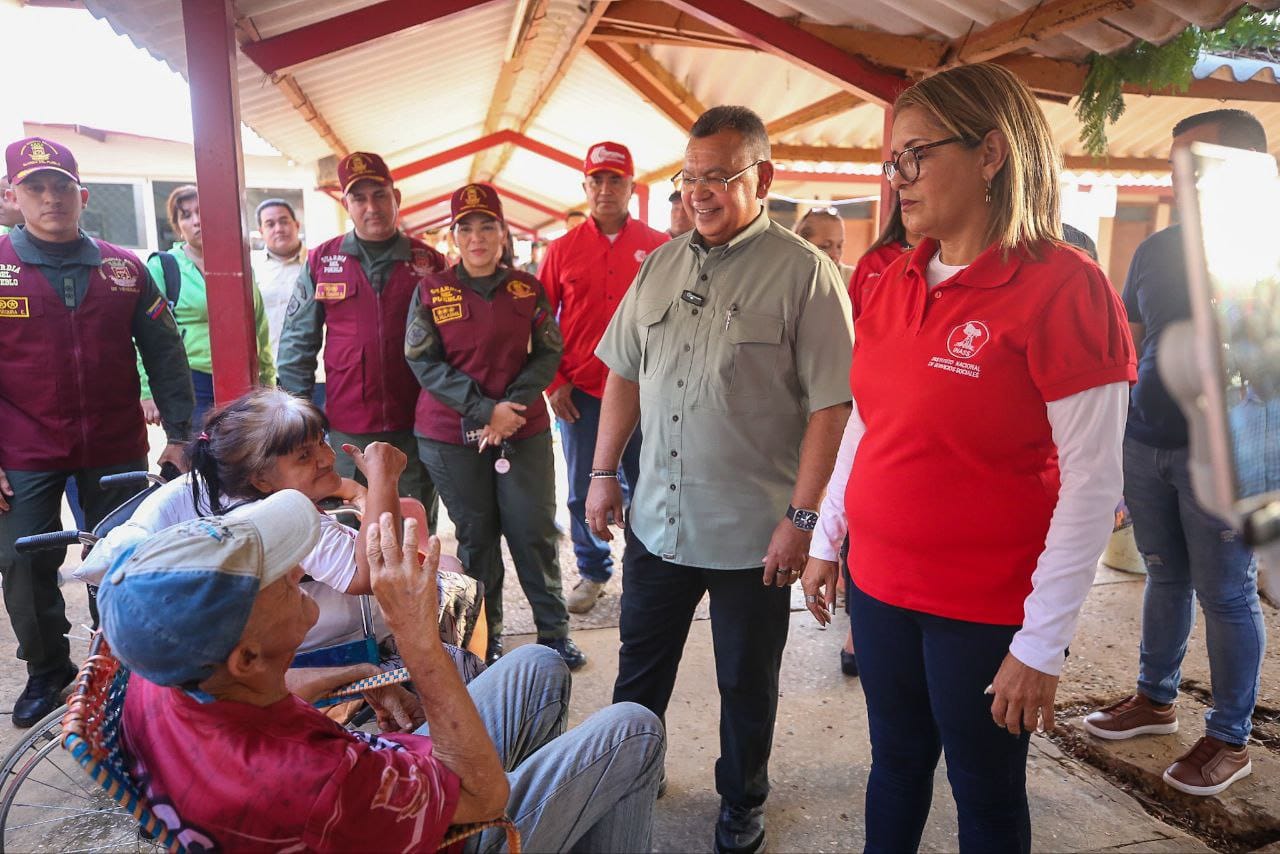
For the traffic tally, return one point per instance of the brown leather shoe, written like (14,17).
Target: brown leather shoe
(1132,716)
(1209,767)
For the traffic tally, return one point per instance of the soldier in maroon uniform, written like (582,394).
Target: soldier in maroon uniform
(353,296)
(72,309)
(483,344)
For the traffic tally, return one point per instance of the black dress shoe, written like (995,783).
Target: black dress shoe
(42,695)
(740,830)
(493,651)
(848,663)
(568,650)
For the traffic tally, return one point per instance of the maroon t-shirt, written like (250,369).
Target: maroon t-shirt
(236,777)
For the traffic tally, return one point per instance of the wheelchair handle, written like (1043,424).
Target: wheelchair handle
(127,477)
(52,540)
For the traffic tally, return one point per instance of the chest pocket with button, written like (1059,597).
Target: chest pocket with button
(651,316)
(744,362)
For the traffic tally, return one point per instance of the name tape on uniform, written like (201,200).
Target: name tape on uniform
(447,313)
(14,307)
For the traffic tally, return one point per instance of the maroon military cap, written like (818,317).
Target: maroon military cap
(475,198)
(362,166)
(26,157)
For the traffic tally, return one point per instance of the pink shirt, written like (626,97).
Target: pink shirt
(237,777)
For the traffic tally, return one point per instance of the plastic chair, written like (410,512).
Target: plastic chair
(91,734)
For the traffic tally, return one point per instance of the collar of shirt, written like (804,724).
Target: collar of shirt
(351,245)
(594,228)
(89,255)
(992,269)
(299,257)
(483,285)
(757,227)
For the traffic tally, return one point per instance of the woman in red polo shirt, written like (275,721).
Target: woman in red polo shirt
(981,463)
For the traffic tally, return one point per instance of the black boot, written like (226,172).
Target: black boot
(740,830)
(42,695)
(568,650)
(494,651)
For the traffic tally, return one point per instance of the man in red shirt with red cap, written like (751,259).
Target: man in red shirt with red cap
(585,273)
(353,295)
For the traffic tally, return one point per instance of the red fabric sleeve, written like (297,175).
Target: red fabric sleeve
(396,798)
(549,275)
(1081,338)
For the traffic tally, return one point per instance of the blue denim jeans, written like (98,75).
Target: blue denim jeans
(579,442)
(1192,555)
(923,677)
(589,789)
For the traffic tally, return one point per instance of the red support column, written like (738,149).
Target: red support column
(642,196)
(215,119)
(886,191)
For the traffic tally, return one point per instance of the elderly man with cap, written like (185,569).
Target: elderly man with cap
(72,310)
(732,351)
(353,296)
(212,730)
(484,343)
(586,273)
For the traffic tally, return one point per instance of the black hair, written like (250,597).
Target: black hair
(741,119)
(272,203)
(674,197)
(1237,128)
(242,439)
(894,232)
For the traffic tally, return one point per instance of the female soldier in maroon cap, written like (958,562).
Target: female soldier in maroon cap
(483,344)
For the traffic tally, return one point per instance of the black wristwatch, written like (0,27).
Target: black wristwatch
(805,520)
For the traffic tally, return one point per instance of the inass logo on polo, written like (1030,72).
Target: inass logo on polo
(967,339)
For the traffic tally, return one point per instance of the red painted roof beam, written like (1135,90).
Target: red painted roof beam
(349,30)
(502,137)
(780,38)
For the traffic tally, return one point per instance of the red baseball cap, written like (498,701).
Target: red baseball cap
(609,157)
(33,154)
(362,166)
(475,198)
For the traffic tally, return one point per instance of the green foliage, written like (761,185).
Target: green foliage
(1101,100)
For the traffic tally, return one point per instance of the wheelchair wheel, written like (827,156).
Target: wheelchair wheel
(47,803)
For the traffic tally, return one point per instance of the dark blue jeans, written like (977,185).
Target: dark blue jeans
(1192,555)
(579,441)
(924,677)
(202,385)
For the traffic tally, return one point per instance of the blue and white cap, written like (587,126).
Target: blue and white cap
(175,606)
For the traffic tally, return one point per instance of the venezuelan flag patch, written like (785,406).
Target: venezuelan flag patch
(157,308)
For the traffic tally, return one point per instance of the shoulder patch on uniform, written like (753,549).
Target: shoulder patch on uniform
(14,307)
(122,274)
(519,289)
(423,261)
(295,303)
(157,308)
(446,313)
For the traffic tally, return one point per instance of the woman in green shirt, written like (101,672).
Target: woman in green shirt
(192,308)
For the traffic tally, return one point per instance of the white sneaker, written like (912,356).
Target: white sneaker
(582,598)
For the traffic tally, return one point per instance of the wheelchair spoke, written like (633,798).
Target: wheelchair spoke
(71,813)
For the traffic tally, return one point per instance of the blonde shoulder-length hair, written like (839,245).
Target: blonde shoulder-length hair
(970,101)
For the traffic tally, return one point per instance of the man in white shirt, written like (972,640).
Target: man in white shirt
(276,269)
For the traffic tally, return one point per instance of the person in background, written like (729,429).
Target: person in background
(990,382)
(352,297)
(72,311)
(824,228)
(1190,554)
(894,242)
(215,696)
(537,252)
(586,274)
(731,352)
(10,213)
(276,269)
(681,222)
(483,344)
(573,219)
(191,309)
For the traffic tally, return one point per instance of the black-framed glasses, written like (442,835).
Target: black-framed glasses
(907,161)
(683,181)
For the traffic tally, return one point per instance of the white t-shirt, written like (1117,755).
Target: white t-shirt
(332,563)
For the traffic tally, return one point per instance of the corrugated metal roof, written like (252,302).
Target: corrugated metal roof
(428,88)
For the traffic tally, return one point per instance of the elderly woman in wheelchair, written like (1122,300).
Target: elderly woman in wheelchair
(267,441)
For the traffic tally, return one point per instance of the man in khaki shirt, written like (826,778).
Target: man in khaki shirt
(731,350)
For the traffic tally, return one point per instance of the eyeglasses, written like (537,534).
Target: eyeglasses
(683,181)
(907,162)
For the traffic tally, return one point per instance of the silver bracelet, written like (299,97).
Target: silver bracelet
(595,473)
